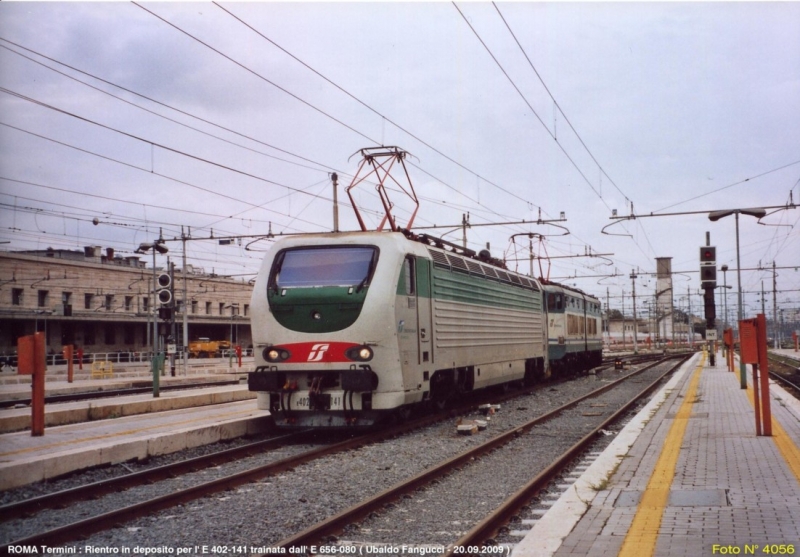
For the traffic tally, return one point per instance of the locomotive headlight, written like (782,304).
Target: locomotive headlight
(276,354)
(359,353)
(316,316)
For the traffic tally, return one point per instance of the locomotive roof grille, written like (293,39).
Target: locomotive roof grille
(474,267)
(489,271)
(457,263)
(453,262)
(439,258)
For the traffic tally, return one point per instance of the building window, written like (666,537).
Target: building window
(145,304)
(128,303)
(42,299)
(247,309)
(16,296)
(87,301)
(194,307)
(66,298)
(222,308)
(109,301)
(208,308)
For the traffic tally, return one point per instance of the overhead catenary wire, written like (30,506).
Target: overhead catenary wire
(259,76)
(370,108)
(456,190)
(160,103)
(566,119)
(441,181)
(184,113)
(728,186)
(536,114)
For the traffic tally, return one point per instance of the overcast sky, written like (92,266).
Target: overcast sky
(188,116)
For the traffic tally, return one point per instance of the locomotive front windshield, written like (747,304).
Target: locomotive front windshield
(325,266)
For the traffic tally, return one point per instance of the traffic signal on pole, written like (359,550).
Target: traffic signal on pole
(164,296)
(708,267)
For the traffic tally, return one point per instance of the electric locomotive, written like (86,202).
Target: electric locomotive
(574,325)
(352,328)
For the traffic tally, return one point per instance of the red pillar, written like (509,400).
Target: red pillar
(31,360)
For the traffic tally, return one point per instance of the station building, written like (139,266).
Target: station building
(103,303)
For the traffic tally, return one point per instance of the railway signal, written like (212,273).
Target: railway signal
(708,267)
(708,281)
(164,295)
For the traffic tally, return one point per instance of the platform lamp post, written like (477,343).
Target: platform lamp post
(156,246)
(725,287)
(234,307)
(714,216)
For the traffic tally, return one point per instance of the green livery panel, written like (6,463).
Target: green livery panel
(317,310)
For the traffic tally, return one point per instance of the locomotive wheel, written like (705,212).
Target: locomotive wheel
(439,404)
(403,414)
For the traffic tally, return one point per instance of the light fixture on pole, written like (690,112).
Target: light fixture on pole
(724,270)
(714,216)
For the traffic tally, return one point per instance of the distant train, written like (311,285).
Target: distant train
(353,328)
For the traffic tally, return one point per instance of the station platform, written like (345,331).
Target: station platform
(63,413)
(687,476)
(122,429)
(790,353)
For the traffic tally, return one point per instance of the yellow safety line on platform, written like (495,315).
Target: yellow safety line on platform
(787,448)
(641,538)
(126,432)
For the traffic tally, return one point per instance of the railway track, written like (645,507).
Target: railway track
(786,372)
(28,507)
(100,522)
(483,531)
(94,490)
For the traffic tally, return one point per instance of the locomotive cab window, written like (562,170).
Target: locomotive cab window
(554,302)
(324,266)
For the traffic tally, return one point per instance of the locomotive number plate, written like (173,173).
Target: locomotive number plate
(302,403)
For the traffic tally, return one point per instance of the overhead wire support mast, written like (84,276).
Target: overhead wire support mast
(632,216)
(523,221)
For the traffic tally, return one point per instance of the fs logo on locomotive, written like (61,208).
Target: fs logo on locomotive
(317,352)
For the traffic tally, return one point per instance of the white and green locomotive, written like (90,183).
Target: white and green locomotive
(351,328)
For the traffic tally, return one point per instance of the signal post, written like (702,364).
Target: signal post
(708,282)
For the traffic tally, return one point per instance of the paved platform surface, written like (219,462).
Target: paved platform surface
(688,476)
(66,448)
(63,413)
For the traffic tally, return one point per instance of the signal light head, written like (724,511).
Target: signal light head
(708,254)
